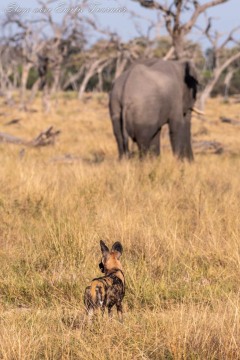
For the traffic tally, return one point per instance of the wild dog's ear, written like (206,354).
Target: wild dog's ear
(104,248)
(117,248)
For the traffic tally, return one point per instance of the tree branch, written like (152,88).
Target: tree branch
(45,138)
(199,10)
(151,4)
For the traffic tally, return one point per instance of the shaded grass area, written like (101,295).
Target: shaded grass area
(179,226)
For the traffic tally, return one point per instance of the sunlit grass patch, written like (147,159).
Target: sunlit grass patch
(178,223)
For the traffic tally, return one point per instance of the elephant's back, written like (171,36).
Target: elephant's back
(147,83)
(149,98)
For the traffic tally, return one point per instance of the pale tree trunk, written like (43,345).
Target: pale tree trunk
(216,75)
(73,79)
(25,73)
(172,13)
(15,77)
(178,44)
(120,67)
(227,83)
(169,54)
(56,84)
(6,85)
(205,94)
(56,80)
(33,92)
(46,102)
(90,72)
(100,80)
(100,75)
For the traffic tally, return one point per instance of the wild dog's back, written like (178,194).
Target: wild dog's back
(108,290)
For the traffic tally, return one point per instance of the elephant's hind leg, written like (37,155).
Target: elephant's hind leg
(149,145)
(143,149)
(120,135)
(154,147)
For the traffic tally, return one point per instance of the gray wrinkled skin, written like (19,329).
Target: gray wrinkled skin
(149,95)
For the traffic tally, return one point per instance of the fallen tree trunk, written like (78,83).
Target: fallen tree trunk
(45,138)
(204,147)
(12,122)
(230,121)
(214,147)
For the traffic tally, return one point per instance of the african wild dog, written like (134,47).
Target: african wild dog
(108,290)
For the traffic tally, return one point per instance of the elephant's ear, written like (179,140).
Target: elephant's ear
(191,77)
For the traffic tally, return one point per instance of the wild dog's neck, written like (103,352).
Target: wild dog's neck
(118,273)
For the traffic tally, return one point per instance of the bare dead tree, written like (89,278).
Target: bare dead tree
(100,74)
(9,75)
(44,37)
(53,46)
(95,66)
(66,34)
(227,82)
(45,138)
(72,79)
(68,39)
(121,60)
(220,62)
(29,43)
(146,33)
(173,11)
(90,71)
(180,17)
(120,54)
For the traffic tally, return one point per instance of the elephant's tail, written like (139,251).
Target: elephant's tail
(123,127)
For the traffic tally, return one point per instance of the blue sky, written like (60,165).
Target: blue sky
(226,16)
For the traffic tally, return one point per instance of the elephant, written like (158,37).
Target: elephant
(149,95)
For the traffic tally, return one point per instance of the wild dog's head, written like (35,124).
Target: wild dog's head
(110,259)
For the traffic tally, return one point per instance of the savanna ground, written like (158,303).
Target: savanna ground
(178,223)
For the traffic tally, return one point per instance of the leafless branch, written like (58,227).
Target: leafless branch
(177,28)
(199,9)
(45,138)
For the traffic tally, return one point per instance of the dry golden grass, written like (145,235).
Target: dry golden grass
(179,225)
